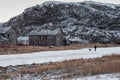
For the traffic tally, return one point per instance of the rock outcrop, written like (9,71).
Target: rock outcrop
(83,22)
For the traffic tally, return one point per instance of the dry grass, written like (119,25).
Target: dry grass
(28,49)
(106,64)
(72,68)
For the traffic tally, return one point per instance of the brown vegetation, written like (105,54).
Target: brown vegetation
(5,49)
(74,68)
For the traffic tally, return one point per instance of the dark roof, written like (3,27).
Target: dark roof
(4,29)
(45,32)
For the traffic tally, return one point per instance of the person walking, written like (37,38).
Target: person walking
(95,47)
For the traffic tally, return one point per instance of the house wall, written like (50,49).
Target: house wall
(23,41)
(12,37)
(59,40)
(3,42)
(45,40)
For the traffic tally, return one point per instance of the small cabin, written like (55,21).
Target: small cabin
(23,40)
(3,41)
(8,35)
(46,38)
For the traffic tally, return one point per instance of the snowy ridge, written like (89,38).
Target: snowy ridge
(54,56)
(51,2)
(104,4)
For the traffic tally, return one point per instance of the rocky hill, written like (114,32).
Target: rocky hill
(80,21)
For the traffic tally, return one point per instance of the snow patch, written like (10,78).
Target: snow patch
(101,77)
(54,56)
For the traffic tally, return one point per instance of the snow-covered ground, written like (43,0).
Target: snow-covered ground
(53,56)
(101,77)
(113,76)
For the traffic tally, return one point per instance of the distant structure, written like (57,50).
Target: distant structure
(3,40)
(7,35)
(46,38)
(23,40)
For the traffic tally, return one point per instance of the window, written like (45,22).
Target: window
(32,42)
(48,37)
(45,37)
(8,35)
(39,37)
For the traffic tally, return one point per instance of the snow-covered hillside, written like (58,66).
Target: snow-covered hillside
(88,20)
(54,56)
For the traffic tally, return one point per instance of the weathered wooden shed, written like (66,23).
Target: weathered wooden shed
(23,40)
(3,41)
(9,34)
(45,38)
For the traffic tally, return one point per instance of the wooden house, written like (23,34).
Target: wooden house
(3,41)
(8,35)
(46,38)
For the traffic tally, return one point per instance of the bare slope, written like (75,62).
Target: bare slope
(97,22)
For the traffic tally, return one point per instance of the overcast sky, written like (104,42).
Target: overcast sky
(11,8)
